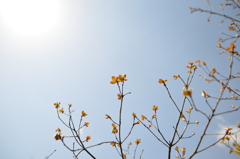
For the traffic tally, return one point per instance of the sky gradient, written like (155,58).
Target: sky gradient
(72,56)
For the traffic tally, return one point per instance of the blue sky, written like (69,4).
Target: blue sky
(70,56)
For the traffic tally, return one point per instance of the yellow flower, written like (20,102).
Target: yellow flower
(227,138)
(61,110)
(114,80)
(58,130)
(212,75)
(113,143)
(187,92)
(231,28)
(190,63)
(113,125)
(107,116)
(176,148)
(57,105)
(185,86)
(149,126)
(114,129)
(198,61)
(204,94)
(86,124)
(138,122)
(84,114)
(122,78)
(57,136)
(189,110)
(237,149)
(228,130)
(88,138)
(161,81)
(119,96)
(155,108)
(214,70)
(134,115)
(70,105)
(197,122)
(153,116)
(204,63)
(182,116)
(138,141)
(176,76)
(191,66)
(183,150)
(231,48)
(143,117)
(130,143)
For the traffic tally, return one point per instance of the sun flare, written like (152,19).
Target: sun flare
(30,17)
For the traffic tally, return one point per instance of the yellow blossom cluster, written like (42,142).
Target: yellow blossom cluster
(114,129)
(138,141)
(161,81)
(143,117)
(134,115)
(155,108)
(58,130)
(86,124)
(176,76)
(187,92)
(57,104)
(191,66)
(88,138)
(183,150)
(189,110)
(61,110)
(107,116)
(119,96)
(138,122)
(57,136)
(204,94)
(228,132)
(231,48)
(153,116)
(113,143)
(182,116)
(117,79)
(84,114)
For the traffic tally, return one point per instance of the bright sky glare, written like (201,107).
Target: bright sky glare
(30,17)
